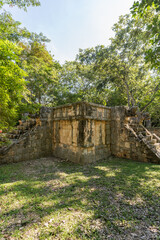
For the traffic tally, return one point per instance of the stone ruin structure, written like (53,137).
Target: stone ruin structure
(83,133)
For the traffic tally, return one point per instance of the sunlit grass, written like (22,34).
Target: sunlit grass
(53,199)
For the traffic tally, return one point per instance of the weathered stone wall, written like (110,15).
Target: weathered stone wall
(81,132)
(123,142)
(34,144)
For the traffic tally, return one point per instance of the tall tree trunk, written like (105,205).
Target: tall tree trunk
(131,100)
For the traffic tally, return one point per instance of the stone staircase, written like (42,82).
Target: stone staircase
(22,129)
(152,141)
(18,133)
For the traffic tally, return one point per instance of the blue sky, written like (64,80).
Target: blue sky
(73,24)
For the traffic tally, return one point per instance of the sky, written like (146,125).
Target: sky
(73,24)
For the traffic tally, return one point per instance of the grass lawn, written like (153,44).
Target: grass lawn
(54,199)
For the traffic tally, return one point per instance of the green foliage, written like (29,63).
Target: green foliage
(12,30)
(126,57)
(27,107)
(4,141)
(14,40)
(20,3)
(67,91)
(130,44)
(115,75)
(42,71)
(78,83)
(12,83)
(140,10)
(124,73)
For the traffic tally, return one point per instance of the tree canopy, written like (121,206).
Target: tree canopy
(27,69)
(20,3)
(126,72)
(12,83)
(140,10)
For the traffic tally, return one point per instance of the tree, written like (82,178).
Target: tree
(12,83)
(20,3)
(123,62)
(119,72)
(42,71)
(67,91)
(12,31)
(140,10)
(77,82)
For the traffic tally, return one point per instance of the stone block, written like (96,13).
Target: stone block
(127,145)
(81,132)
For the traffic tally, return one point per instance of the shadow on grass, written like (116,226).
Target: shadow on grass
(104,200)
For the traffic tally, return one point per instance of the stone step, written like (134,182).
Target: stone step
(157,146)
(153,141)
(137,129)
(143,133)
(148,137)
(140,135)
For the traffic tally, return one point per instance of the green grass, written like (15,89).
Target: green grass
(53,199)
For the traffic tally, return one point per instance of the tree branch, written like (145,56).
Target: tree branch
(152,99)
